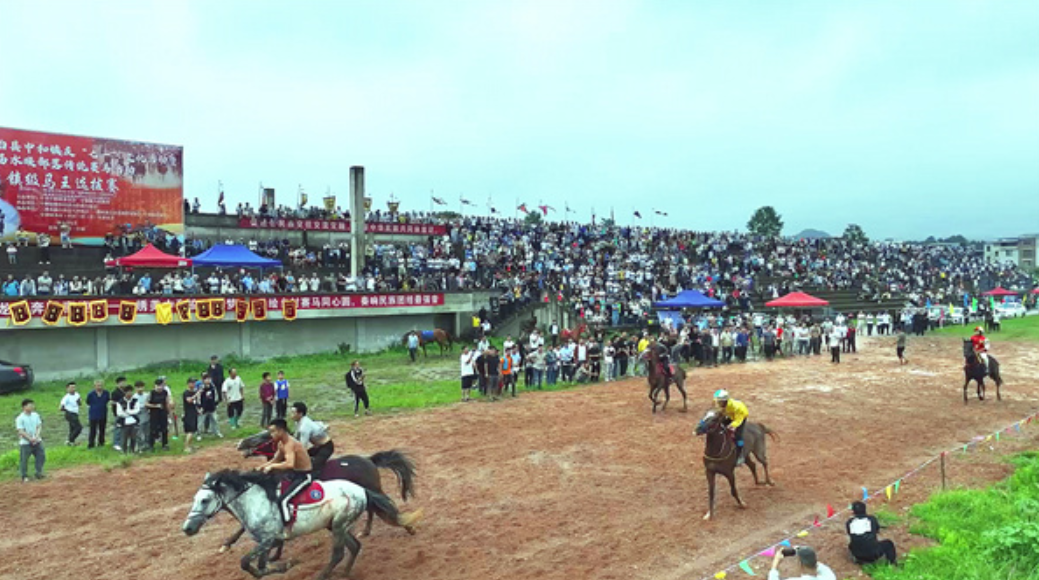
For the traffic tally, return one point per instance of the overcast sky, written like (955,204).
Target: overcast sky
(909,118)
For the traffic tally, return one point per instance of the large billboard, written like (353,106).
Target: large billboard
(94,186)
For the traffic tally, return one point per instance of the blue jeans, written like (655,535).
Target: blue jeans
(552,373)
(536,375)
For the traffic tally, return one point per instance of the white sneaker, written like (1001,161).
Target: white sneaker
(117,448)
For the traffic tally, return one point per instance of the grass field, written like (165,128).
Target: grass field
(393,385)
(1026,328)
(989,534)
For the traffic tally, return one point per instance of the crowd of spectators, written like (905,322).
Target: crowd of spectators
(609,274)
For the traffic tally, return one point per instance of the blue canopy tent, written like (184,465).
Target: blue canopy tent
(233,255)
(687,299)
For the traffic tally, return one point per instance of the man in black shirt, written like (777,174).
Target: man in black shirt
(862,533)
(216,374)
(158,415)
(489,367)
(191,400)
(209,397)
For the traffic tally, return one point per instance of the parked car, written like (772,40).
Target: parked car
(14,377)
(955,316)
(1010,309)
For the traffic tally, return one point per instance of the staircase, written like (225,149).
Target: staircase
(82,261)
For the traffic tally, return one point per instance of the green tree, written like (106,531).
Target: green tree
(853,233)
(532,218)
(765,222)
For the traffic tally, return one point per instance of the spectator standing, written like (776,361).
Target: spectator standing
(43,242)
(900,346)
(862,535)
(267,396)
(234,393)
(143,416)
(158,410)
(70,407)
(216,374)
(551,365)
(210,398)
(468,371)
(413,345)
(727,340)
(507,375)
(553,332)
(192,399)
(836,336)
(97,414)
(609,353)
(491,370)
(114,398)
(127,412)
(281,396)
(536,362)
(355,382)
(566,362)
(30,443)
(811,569)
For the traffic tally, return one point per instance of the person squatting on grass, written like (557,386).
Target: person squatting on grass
(862,535)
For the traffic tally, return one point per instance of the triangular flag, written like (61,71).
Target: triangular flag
(898,484)
(721,575)
(802,533)
(989,438)
(768,553)
(997,435)
(865,494)
(745,566)
(830,511)
(965,448)
(785,543)
(816,522)
(1017,426)
(887,492)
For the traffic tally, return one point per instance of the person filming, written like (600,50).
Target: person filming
(810,568)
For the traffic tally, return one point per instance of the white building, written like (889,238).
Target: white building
(1019,251)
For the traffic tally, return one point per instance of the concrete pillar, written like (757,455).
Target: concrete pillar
(245,340)
(357,248)
(101,347)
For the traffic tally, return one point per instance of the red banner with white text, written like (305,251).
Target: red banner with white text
(318,225)
(93,186)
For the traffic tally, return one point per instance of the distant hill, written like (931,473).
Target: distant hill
(812,234)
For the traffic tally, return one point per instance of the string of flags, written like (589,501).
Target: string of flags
(888,491)
(80,313)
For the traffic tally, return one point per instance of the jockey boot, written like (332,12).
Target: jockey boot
(742,457)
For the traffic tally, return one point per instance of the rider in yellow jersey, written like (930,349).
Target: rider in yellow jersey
(735,415)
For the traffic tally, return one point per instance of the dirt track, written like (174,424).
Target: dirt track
(578,484)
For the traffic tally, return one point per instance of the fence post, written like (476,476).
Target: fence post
(943,470)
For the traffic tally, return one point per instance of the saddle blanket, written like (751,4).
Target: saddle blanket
(312,494)
(427,335)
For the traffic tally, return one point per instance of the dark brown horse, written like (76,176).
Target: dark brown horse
(974,370)
(720,454)
(437,335)
(658,382)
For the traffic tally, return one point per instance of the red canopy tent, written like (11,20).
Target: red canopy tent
(797,300)
(150,257)
(1036,291)
(999,291)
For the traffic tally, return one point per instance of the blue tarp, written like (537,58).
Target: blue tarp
(689,299)
(227,256)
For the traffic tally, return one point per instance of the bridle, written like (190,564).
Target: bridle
(716,426)
(220,499)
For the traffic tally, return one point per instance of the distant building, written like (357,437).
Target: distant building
(1019,251)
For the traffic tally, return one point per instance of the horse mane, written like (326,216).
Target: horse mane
(238,481)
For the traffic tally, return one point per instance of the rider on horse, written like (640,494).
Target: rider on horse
(980,344)
(735,415)
(664,356)
(290,459)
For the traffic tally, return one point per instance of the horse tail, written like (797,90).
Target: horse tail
(382,506)
(402,466)
(769,432)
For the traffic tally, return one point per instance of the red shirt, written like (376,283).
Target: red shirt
(979,342)
(267,392)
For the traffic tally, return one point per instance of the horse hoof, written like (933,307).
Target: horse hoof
(707,517)
(224,549)
(684,410)
(742,505)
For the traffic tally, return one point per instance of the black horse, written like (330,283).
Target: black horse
(974,370)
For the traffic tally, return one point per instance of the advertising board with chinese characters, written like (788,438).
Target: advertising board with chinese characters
(125,310)
(93,186)
(313,225)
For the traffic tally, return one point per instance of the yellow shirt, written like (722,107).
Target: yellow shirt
(642,345)
(736,412)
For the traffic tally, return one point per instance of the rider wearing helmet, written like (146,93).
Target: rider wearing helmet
(735,416)
(980,344)
(664,356)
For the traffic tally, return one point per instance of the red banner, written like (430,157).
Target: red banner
(274,303)
(92,185)
(341,226)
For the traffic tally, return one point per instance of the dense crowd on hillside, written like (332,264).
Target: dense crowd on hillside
(609,273)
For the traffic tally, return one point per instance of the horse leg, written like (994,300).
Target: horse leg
(685,398)
(965,383)
(753,469)
(667,395)
(653,396)
(710,494)
(731,476)
(368,526)
(354,545)
(260,551)
(231,541)
(339,535)
(278,547)
(981,389)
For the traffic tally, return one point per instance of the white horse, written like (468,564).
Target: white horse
(252,498)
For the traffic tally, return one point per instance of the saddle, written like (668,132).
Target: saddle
(310,495)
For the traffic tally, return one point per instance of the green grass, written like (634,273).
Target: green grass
(989,534)
(394,385)
(1026,329)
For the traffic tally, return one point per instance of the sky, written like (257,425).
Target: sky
(908,118)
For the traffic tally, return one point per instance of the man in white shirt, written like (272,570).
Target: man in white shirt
(838,334)
(811,569)
(70,407)
(468,371)
(30,443)
(234,394)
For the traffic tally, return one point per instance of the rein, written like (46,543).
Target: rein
(223,503)
(725,438)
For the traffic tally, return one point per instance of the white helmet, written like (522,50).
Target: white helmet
(721,395)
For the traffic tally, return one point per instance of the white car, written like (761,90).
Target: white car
(1010,310)
(955,316)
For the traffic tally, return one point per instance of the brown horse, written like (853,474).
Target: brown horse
(720,454)
(567,334)
(658,382)
(437,335)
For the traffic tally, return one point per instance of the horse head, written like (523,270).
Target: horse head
(208,501)
(711,422)
(968,348)
(259,444)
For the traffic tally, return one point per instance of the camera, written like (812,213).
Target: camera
(787,552)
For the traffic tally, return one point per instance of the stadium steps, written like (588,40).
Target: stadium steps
(77,261)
